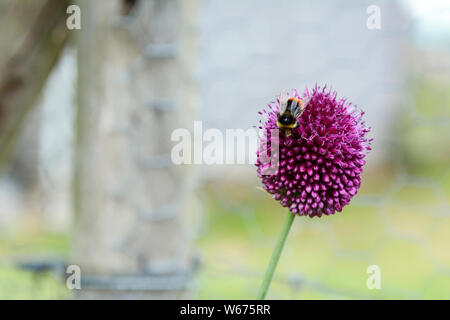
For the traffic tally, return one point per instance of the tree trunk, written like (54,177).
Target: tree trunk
(135,87)
(34,36)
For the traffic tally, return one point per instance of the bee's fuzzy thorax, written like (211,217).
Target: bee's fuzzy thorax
(295,99)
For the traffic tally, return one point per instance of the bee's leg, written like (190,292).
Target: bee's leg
(287,132)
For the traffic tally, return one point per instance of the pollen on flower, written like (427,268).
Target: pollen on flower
(319,164)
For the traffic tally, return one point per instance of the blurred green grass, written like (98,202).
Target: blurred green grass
(327,258)
(31,245)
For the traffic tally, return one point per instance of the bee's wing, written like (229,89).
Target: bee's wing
(283,100)
(305,102)
(298,111)
(293,107)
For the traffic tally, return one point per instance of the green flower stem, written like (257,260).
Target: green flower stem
(275,256)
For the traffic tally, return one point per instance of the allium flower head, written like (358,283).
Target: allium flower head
(320,162)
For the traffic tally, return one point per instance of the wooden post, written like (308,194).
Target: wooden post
(135,86)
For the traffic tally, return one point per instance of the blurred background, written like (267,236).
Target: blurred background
(86,117)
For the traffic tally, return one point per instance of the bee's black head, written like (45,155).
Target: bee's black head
(286,119)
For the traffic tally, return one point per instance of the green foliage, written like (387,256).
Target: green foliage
(424,129)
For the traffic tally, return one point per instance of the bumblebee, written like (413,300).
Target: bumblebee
(291,108)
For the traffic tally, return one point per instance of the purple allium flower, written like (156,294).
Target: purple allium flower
(320,163)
